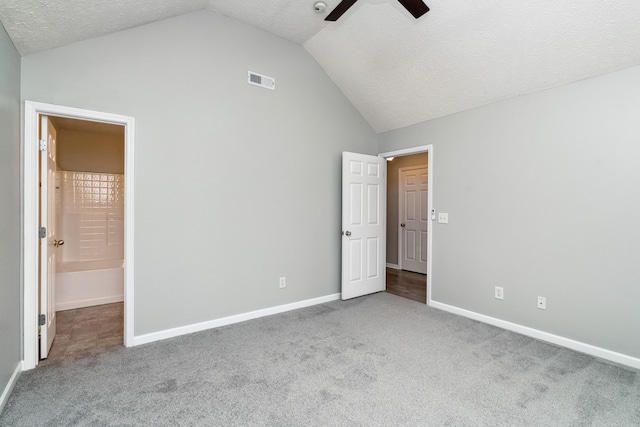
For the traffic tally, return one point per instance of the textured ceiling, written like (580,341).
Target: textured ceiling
(294,20)
(464,54)
(396,70)
(36,25)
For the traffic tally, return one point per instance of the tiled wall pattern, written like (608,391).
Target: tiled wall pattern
(90,215)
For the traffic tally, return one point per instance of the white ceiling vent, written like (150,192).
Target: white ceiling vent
(262,81)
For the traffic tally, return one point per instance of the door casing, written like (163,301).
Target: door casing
(30,206)
(415,150)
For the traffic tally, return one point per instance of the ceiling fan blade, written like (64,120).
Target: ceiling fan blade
(415,7)
(340,9)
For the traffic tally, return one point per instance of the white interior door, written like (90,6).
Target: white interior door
(363,224)
(48,243)
(414,218)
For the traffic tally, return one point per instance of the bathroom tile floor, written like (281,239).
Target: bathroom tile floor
(85,331)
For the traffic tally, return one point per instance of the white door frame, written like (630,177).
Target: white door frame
(30,220)
(400,208)
(415,150)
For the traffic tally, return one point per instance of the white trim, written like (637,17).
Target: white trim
(88,302)
(129,235)
(589,349)
(30,240)
(416,150)
(401,208)
(197,327)
(407,151)
(32,110)
(394,266)
(10,385)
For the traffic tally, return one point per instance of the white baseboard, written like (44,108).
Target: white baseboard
(216,323)
(589,349)
(394,266)
(88,302)
(9,387)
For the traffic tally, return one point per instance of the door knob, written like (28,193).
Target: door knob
(402,225)
(348,233)
(58,243)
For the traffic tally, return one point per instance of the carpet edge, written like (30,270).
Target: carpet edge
(582,347)
(4,398)
(224,321)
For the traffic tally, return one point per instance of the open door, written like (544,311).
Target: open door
(48,237)
(363,224)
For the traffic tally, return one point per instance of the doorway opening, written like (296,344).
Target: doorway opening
(86,215)
(78,232)
(409,222)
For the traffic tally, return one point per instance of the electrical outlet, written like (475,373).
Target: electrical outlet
(499,293)
(542,303)
(283,282)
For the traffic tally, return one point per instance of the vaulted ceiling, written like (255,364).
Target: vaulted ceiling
(395,69)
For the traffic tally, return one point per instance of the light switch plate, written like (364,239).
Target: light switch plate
(443,218)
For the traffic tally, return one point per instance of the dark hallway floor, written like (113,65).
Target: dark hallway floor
(407,284)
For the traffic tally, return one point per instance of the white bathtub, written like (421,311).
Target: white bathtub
(87,283)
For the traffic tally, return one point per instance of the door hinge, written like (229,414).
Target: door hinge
(42,145)
(42,232)
(42,320)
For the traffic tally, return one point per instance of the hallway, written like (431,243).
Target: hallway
(407,284)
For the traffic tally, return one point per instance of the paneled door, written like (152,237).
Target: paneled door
(363,224)
(48,237)
(414,218)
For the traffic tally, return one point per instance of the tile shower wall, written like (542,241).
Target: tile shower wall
(90,212)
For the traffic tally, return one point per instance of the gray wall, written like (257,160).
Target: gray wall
(543,196)
(236,185)
(393,198)
(10,343)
